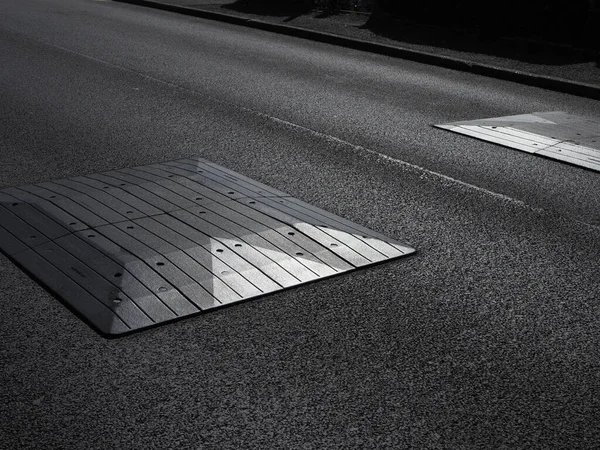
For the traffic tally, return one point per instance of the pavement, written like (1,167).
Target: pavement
(552,66)
(487,338)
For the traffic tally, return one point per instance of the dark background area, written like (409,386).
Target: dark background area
(573,22)
(538,34)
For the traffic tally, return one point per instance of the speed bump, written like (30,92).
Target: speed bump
(133,248)
(556,135)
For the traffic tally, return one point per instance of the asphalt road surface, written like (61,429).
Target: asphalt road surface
(487,338)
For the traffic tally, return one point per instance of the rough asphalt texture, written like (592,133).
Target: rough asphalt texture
(529,57)
(487,338)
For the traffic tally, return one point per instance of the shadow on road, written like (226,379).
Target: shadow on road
(290,9)
(446,28)
(482,41)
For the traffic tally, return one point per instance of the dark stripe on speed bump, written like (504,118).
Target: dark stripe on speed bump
(132,248)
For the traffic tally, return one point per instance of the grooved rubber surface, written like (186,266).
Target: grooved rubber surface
(556,135)
(132,248)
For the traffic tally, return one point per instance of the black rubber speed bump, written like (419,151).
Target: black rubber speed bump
(132,248)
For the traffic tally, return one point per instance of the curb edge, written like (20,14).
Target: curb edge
(546,82)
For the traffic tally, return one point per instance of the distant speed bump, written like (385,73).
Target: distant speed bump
(556,135)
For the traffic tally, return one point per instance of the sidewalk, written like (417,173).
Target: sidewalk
(555,67)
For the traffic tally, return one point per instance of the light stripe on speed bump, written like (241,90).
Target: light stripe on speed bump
(556,135)
(132,248)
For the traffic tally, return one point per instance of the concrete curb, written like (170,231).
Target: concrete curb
(551,83)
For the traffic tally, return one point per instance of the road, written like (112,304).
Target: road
(489,337)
